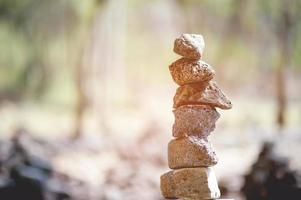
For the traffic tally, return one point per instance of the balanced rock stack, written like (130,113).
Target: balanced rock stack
(190,154)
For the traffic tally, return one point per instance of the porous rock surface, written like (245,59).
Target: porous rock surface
(189,46)
(191,183)
(167,185)
(203,94)
(192,151)
(195,120)
(185,71)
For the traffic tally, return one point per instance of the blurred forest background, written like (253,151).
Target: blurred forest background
(86,83)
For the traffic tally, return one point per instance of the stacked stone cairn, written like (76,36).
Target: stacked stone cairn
(190,154)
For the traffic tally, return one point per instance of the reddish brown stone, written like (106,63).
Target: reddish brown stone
(194,120)
(167,185)
(190,46)
(191,183)
(185,71)
(202,94)
(192,151)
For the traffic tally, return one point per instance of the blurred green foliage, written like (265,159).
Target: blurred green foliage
(40,39)
(27,29)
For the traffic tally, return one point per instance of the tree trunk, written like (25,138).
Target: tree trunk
(80,104)
(285,40)
(81,73)
(280,84)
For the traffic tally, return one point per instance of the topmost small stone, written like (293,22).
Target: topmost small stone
(189,46)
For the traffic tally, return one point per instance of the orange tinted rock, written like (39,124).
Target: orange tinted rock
(189,46)
(203,94)
(167,185)
(185,71)
(195,183)
(192,151)
(190,183)
(194,120)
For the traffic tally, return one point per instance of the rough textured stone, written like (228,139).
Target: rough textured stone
(190,155)
(189,46)
(195,120)
(202,93)
(185,71)
(167,185)
(189,152)
(193,183)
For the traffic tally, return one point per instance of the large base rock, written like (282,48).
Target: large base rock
(190,151)
(190,183)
